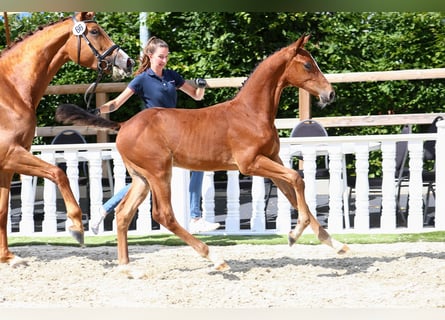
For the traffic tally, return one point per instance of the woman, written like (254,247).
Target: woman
(157,86)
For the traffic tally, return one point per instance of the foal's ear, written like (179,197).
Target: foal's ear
(302,41)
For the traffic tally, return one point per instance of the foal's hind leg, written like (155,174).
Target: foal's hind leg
(125,212)
(163,214)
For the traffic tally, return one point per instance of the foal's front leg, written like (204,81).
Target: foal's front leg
(305,218)
(291,185)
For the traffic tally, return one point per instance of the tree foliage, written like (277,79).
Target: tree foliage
(232,44)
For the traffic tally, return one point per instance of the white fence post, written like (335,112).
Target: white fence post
(309,169)
(336,189)
(361,222)
(28,199)
(440,177)
(388,219)
(10,214)
(233,205)
(208,196)
(258,219)
(72,171)
(144,223)
(284,222)
(95,176)
(415,213)
(49,224)
(119,172)
(180,196)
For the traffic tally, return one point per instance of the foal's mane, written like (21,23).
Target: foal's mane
(30,33)
(248,77)
(256,67)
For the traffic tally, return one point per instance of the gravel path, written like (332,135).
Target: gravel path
(402,275)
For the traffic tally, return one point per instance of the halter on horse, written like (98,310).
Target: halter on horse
(26,69)
(236,134)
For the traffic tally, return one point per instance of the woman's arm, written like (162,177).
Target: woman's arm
(117,102)
(195,93)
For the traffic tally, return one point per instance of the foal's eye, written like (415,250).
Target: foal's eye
(308,66)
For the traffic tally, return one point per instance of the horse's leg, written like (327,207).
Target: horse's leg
(25,163)
(163,214)
(125,212)
(5,182)
(291,184)
(318,230)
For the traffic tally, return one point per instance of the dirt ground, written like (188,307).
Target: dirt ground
(402,275)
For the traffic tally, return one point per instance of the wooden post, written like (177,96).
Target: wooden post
(304,104)
(101,98)
(7,32)
(304,112)
(102,135)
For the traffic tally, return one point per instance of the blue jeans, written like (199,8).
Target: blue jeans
(195,188)
(115,199)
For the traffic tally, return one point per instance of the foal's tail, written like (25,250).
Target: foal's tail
(73,114)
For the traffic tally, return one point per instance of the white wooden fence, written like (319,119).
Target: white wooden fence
(22,220)
(22,216)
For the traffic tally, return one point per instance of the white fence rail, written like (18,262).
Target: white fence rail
(340,217)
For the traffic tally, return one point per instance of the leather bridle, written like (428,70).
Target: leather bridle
(79,30)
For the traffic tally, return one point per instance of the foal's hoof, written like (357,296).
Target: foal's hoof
(291,239)
(78,236)
(343,250)
(131,272)
(224,266)
(18,262)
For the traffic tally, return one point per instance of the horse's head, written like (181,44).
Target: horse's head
(303,72)
(91,47)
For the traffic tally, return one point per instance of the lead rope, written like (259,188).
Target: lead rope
(102,65)
(92,90)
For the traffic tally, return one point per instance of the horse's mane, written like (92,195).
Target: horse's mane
(248,77)
(30,33)
(256,67)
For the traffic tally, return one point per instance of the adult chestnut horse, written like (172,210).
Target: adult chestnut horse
(236,134)
(26,69)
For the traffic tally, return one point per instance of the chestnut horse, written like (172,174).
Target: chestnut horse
(238,134)
(26,69)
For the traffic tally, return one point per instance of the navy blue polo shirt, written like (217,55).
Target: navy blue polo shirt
(156,91)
